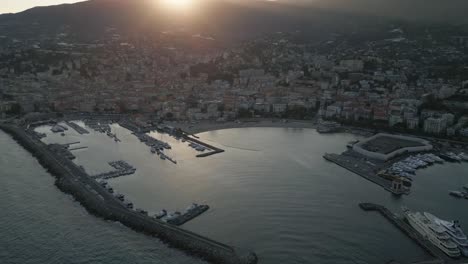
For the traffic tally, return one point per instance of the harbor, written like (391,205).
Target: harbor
(392,161)
(99,201)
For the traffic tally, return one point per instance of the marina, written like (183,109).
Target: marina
(101,201)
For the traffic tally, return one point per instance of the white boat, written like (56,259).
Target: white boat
(463,156)
(457,194)
(454,230)
(172,216)
(433,232)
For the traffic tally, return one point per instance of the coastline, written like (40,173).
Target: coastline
(206,126)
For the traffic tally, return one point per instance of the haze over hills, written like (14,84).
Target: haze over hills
(223,19)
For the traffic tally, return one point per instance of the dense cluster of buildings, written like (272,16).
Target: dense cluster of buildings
(395,82)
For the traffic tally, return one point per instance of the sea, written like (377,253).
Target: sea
(271,192)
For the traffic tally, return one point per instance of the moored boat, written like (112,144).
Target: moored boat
(433,232)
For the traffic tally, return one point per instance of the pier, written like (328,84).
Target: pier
(78,148)
(122,168)
(363,169)
(189,215)
(71,179)
(77,128)
(400,223)
(214,150)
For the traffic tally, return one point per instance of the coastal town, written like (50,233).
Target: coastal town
(401,82)
(401,94)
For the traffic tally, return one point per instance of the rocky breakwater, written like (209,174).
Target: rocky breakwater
(73,180)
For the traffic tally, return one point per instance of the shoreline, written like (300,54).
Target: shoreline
(207,126)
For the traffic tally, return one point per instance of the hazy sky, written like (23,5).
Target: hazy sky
(13,6)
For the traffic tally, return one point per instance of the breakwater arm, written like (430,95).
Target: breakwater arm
(71,179)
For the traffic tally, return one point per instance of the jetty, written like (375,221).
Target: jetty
(363,169)
(214,150)
(402,225)
(71,179)
(77,128)
(122,168)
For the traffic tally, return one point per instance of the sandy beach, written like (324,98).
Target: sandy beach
(204,126)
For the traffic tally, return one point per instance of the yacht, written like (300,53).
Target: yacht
(172,216)
(433,232)
(463,156)
(457,194)
(160,214)
(454,230)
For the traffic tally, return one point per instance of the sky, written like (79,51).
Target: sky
(14,6)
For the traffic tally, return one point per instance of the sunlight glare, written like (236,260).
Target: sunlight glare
(177,4)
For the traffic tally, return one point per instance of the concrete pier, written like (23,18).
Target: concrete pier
(70,178)
(364,170)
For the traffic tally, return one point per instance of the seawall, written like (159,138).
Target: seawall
(70,179)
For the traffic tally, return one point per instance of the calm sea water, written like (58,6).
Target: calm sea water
(271,191)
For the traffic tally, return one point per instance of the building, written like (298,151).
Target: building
(435,126)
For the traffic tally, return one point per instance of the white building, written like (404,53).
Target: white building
(435,125)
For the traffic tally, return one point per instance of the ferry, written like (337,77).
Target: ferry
(433,232)
(454,230)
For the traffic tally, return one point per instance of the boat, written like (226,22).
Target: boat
(129,205)
(433,232)
(119,196)
(162,157)
(141,211)
(160,214)
(457,194)
(447,157)
(454,230)
(172,216)
(463,156)
(465,187)
(153,150)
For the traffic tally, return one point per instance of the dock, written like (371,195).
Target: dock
(122,168)
(77,128)
(189,215)
(214,150)
(363,169)
(400,223)
(78,148)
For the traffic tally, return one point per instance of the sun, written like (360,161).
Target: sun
(177,4)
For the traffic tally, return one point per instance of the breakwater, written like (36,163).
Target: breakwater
(71,179)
